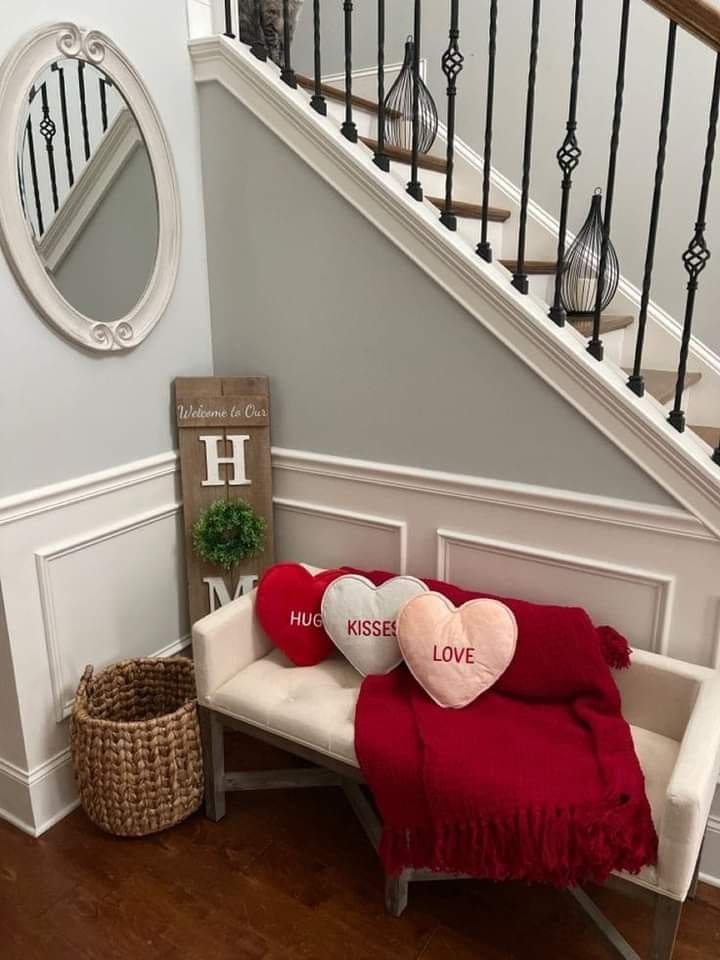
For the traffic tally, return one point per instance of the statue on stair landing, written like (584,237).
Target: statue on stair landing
(271,26)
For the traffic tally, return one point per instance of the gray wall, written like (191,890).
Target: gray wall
(106,270)
(70,412)
(367,356)
(638,146)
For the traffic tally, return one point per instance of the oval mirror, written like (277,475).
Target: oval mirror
(89,215)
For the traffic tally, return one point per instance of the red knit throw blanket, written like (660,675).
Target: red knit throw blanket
(537,780)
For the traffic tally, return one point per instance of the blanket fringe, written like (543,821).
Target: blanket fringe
(560,847)
(615,648)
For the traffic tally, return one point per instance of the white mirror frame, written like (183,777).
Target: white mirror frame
(23,64)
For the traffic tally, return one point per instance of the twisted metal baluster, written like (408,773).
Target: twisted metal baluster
(452,64)
(348,129)
(595,347)
(520,280)
(228,20)
(83,108)
(414,187)
(33,171)
(258,47)
(484,249)
(287,74)
(48,130)
(380,158)
(635,380)
(66,126)
(697,254)
(568,157)
(317,101)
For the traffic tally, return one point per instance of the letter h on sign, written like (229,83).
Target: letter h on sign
(237,460)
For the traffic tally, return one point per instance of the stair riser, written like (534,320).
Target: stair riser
(470,231)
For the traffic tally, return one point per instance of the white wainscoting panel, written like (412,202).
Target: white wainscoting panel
(636,602)
(97,605)
(92,571)
(333,534)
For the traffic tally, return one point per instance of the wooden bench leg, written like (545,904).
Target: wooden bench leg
(396,893)
(211,731)
(665,927)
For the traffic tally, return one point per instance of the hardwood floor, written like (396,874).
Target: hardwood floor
(285,875)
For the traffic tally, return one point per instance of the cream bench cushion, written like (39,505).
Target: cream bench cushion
(673,709)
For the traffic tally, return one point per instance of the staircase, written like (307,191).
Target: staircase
(616,330)
(648,425)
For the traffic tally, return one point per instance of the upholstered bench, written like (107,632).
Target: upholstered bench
(673,709)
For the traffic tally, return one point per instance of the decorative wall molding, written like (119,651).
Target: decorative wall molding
(353,517)
(59,495)
(662,585)
(44,560)
(30,55)
(678,462)
(99,174)
(561,503)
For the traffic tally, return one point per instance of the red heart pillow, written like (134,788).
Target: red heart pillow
(288,608)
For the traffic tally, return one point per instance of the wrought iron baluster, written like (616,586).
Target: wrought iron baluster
(635,380)
(48,130)
(483,248)
(348,129)
(83,108)
(697,254)
(21,185)
(34,174)
(228,20)
(716,454)
(414,187)
(568,157)
(380,159)
(102,83)
(258,47)
(452,64)
(317,101)
(520,280)
(595,347)
(287,74)
(66,126)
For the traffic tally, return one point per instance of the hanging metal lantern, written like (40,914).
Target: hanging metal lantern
(578,290)
(399,108)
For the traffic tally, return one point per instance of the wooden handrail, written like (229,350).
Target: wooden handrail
(699,17)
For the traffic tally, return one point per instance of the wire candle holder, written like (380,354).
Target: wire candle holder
(399,109)
(581,269)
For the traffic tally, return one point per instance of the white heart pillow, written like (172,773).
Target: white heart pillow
(360,619)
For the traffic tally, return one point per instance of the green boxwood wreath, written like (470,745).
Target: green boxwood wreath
(227,532)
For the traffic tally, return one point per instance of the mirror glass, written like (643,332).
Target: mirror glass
(87,189)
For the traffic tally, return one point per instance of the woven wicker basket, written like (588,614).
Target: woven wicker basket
(136,745)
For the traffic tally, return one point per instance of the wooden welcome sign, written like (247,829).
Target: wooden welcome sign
(224,439)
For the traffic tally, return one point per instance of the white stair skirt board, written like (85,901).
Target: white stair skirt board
(678,462)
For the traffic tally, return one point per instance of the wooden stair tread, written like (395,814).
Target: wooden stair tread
(405,156)
(534,267)
(711,435)
(661,383)
(337,93)
(472,211)
(608,323)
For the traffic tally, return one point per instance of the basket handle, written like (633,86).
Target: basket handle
(84,683)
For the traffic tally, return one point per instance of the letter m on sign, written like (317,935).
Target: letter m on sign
(224,441)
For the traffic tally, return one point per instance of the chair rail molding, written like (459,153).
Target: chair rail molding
(678,462)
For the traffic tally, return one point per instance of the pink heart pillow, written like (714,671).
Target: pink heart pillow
(456,653)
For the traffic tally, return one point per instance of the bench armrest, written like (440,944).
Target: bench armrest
(225,642)
(691,791)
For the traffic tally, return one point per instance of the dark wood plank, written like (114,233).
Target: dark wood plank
(532,267)
(472,211)
(661,383)
(337,93)
(399,155)
(286,875)
(608,323)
